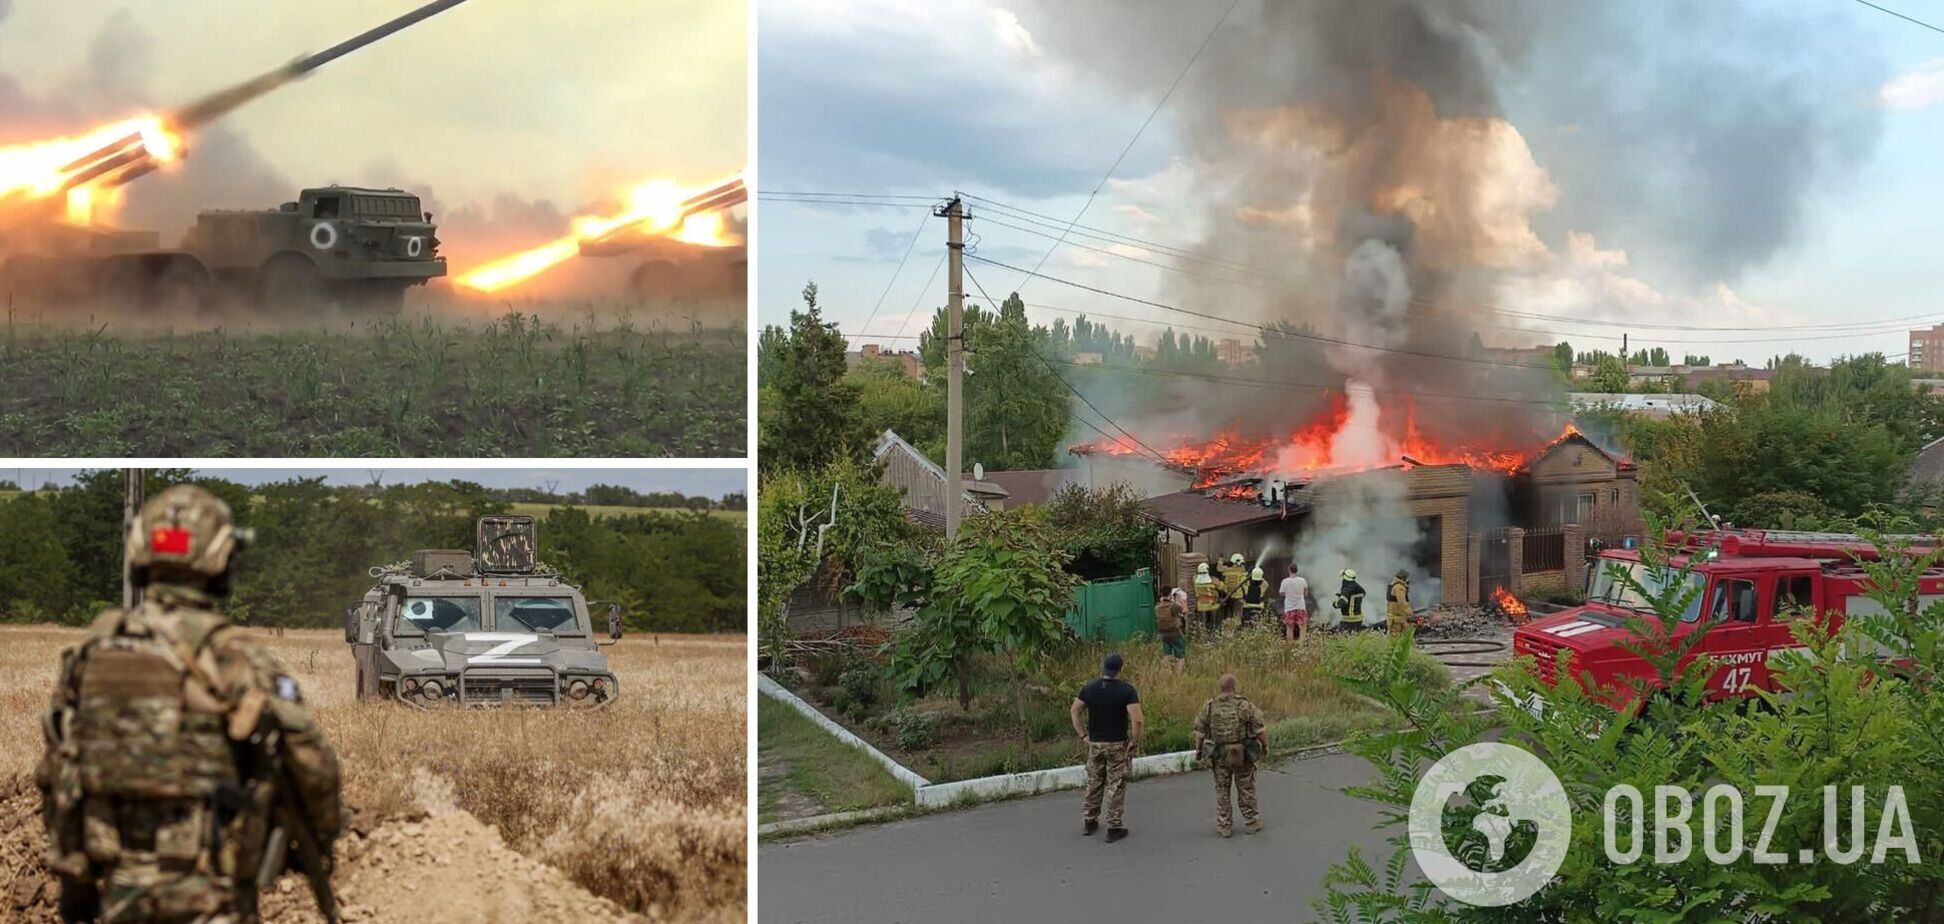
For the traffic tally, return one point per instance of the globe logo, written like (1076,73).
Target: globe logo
(1490,824)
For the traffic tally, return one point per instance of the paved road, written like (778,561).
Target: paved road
(1025,860)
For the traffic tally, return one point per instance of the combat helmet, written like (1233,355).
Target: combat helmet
(184,530)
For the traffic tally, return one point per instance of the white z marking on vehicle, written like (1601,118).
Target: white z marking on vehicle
(509,643)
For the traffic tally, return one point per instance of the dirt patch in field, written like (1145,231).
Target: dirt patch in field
(441,865)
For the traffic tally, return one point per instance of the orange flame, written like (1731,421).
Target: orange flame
(41,169)
(1510,605)
(653,208)
(1307,451)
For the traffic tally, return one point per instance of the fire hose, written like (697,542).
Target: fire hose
(1449,648)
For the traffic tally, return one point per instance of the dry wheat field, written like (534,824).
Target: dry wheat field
(636,812)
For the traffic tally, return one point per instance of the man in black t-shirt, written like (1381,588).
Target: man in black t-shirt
(1112,735)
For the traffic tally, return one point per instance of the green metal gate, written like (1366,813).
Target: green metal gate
(1115,609)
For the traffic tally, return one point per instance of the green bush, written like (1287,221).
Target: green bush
(913,729)
(1365,655)
(1861,709)
(862,681)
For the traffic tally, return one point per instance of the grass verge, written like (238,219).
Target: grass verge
(838,777)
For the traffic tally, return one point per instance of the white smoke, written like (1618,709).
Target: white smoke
(1365,524)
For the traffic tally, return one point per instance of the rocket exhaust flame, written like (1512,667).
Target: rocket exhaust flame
(85,169)
(692,215)
(81,167)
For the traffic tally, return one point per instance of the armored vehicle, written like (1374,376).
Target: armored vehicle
(492,627)
(341,243)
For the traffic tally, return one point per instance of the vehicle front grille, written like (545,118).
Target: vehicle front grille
(1543,651)
(504,688)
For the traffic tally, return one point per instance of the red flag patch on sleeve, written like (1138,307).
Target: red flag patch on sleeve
(168,540)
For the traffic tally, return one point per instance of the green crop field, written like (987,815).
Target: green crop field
(409,385)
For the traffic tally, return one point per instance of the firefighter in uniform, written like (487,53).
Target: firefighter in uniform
(1234,575)
(181,760)
(1209,594)
(1231,736)
(1349,601)
(1255,597)
(1397,603)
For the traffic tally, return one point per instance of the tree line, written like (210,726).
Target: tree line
(61,550)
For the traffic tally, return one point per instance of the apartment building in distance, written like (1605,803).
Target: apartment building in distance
(1927,349)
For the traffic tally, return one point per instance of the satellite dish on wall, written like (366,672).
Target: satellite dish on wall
(978,472)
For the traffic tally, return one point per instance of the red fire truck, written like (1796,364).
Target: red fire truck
(1752,584)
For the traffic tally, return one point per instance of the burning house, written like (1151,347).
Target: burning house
(1463,527)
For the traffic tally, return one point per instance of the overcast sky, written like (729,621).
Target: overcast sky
(977,95)
(559,101)
(704,482)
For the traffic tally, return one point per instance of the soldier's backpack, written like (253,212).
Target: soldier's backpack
(1228,731)
(147,725)
(1167,619)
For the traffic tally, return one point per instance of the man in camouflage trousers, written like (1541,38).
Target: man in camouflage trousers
(179,754)
(1231,736)
(1111,733)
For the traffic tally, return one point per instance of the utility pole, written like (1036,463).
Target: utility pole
(954,214)
(134,494)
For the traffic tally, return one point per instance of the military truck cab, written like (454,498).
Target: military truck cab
(488,628)
(342,243)
(1753,588)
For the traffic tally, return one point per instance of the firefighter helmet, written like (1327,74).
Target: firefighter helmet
(1201,568)
(1255,575)
(184,528)
(1349,574)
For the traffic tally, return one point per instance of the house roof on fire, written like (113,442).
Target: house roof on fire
(1195,513)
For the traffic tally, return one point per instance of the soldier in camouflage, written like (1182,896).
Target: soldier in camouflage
(181,763)
(1231,735)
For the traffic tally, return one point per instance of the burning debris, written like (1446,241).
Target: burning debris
(657,209)
(1507,607)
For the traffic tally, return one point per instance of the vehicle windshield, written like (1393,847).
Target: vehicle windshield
(1612,589)
(440,614)
(550,615)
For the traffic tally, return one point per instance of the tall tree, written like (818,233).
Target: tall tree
(1015,406)
(814,415)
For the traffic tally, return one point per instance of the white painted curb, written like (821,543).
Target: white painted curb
(1037,781)
(780,693)
(927,794)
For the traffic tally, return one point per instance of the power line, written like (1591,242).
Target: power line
(1139,131)
(1299,335)
(1035,218)
(895,273)
(921,296)
(767,193)
(1069,386)
(1909,19)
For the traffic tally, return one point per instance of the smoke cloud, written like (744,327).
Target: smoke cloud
(1485,143)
